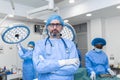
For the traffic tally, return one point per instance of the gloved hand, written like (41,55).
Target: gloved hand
(35,79)
(111,72)
(66,62)
(19,46)
(74,62)
(93,75)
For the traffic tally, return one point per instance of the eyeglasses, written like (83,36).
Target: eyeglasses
(57,25)
(31,46)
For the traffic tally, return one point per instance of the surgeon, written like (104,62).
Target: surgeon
(97,60)
(55,58)
(26,54)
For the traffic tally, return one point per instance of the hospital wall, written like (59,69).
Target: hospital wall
(9,55)
(108,28)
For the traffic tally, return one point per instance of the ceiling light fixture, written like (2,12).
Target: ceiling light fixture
(66,21)
(11,15)
(8,15)
(89,14)
(49,7)
(118,7)
(71,1)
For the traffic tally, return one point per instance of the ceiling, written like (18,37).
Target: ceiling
(100,13)
(107,12)
(33,3)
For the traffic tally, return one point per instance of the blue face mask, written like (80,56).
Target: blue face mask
(98,50)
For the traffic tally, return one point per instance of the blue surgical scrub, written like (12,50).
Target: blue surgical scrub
(49,68)
(97,62)
(28,68)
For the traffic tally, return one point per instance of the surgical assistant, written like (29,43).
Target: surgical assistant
(26,54)
(97,60)
(55,58)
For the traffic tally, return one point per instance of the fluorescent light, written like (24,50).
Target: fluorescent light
(89,14)
(10,15)
(118,7)
(66,21)
(71,1)
(45,21)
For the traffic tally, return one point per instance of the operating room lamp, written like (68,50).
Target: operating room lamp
(15,33)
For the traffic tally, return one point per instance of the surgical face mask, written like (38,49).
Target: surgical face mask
(29,48)
(98,50)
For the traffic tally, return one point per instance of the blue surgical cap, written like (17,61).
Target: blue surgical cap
(31,43)
(96,41)
(54,17)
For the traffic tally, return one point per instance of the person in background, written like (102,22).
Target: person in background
(96,60)
(55,58)
(26,54)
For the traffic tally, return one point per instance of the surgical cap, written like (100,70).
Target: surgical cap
(96,41)
(54,17)
(31,43)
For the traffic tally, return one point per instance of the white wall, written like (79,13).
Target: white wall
(10,56)
(109,29)
(113,37)
(95,29)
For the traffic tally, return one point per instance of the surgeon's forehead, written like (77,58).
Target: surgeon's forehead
(55,21)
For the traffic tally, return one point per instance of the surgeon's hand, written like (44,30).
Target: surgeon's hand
(111,72)
(74,61)
(35,79)
(93,75)
(67,62)
(19,46)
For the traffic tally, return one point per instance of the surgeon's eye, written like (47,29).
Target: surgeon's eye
(57,25)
